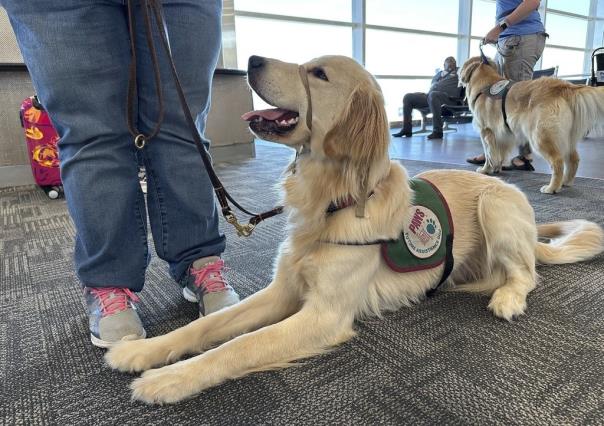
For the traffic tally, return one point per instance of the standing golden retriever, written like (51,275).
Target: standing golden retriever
(333,109)
(552,115)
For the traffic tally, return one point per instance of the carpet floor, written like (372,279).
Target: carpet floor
(444,361)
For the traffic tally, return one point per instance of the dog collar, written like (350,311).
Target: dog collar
(335,206)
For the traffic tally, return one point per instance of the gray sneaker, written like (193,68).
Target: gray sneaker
(112,316)
(204,284)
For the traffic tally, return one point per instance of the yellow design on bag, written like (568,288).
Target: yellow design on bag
(34,133)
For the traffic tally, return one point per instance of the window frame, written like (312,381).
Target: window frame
(359,27)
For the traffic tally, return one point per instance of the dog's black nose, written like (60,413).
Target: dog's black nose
(255,62)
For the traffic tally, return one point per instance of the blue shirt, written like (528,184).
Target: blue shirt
(530,25)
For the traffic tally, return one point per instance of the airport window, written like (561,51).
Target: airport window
(403,42)
(569,62)
(566,31)
(483,17)
(566,46)
(415,54)
(289,41)
(579,7)
(332,10)
(395,89)
(427,15)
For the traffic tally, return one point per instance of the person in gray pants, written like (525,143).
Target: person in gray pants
(520,38)
(443,90)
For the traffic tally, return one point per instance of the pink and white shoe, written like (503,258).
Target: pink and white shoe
(112,316)
(204,284)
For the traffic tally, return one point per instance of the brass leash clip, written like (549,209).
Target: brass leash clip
(243,230)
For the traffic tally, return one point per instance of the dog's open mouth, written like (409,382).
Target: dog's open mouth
(272,121)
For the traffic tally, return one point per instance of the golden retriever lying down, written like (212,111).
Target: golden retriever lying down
(552,115)
(321,286)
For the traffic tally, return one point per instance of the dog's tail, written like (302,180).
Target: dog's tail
(571,241)
(588,109)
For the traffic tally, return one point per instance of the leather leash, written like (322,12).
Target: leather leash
(140,139)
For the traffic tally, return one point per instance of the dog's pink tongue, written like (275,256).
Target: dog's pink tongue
(268,114)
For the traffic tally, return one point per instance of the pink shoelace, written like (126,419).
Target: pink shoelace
(113,299)
(209,277)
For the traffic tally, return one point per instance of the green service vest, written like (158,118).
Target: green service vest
(427,238)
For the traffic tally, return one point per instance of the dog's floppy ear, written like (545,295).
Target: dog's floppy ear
(361,132)
(470,66)
(467,70)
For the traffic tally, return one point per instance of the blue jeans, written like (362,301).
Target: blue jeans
(78,52)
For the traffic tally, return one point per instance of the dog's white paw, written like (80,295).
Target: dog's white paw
(483,170)
(164,385)
(507,304)
(139,355)
(569,182)
(548,189)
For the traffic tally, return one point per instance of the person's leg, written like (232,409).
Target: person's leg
(435,100)
(518,57)
(77,56)
(182,211)
(411,101)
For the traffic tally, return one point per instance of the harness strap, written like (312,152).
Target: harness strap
(504,94)
(449,263)
(476,98)
(505,115)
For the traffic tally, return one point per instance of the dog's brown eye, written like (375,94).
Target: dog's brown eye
(319,73)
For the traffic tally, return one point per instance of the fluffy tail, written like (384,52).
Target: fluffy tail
(571,241)
(588,109)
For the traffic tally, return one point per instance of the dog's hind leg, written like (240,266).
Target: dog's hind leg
(547,145)
(571,163)
(508,223)
(509,300)
(308,332)
(493,278)
(268,306)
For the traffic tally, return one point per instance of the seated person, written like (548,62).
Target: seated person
(443,90)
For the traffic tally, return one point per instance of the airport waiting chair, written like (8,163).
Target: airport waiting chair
(446,108)
(456,114)
(548,72)
(578,81)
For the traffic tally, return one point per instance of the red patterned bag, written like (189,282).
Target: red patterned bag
(42,141)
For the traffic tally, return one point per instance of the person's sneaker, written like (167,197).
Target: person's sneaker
(204,284)
(112,316)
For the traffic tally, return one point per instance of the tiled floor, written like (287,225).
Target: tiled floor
(455,147)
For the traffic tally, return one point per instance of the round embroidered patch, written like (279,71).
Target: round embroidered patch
(423,235)
(498,87)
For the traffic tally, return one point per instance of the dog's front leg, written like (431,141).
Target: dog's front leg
(268,306)
(308,332)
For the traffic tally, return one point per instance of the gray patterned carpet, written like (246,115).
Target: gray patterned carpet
(445,361)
